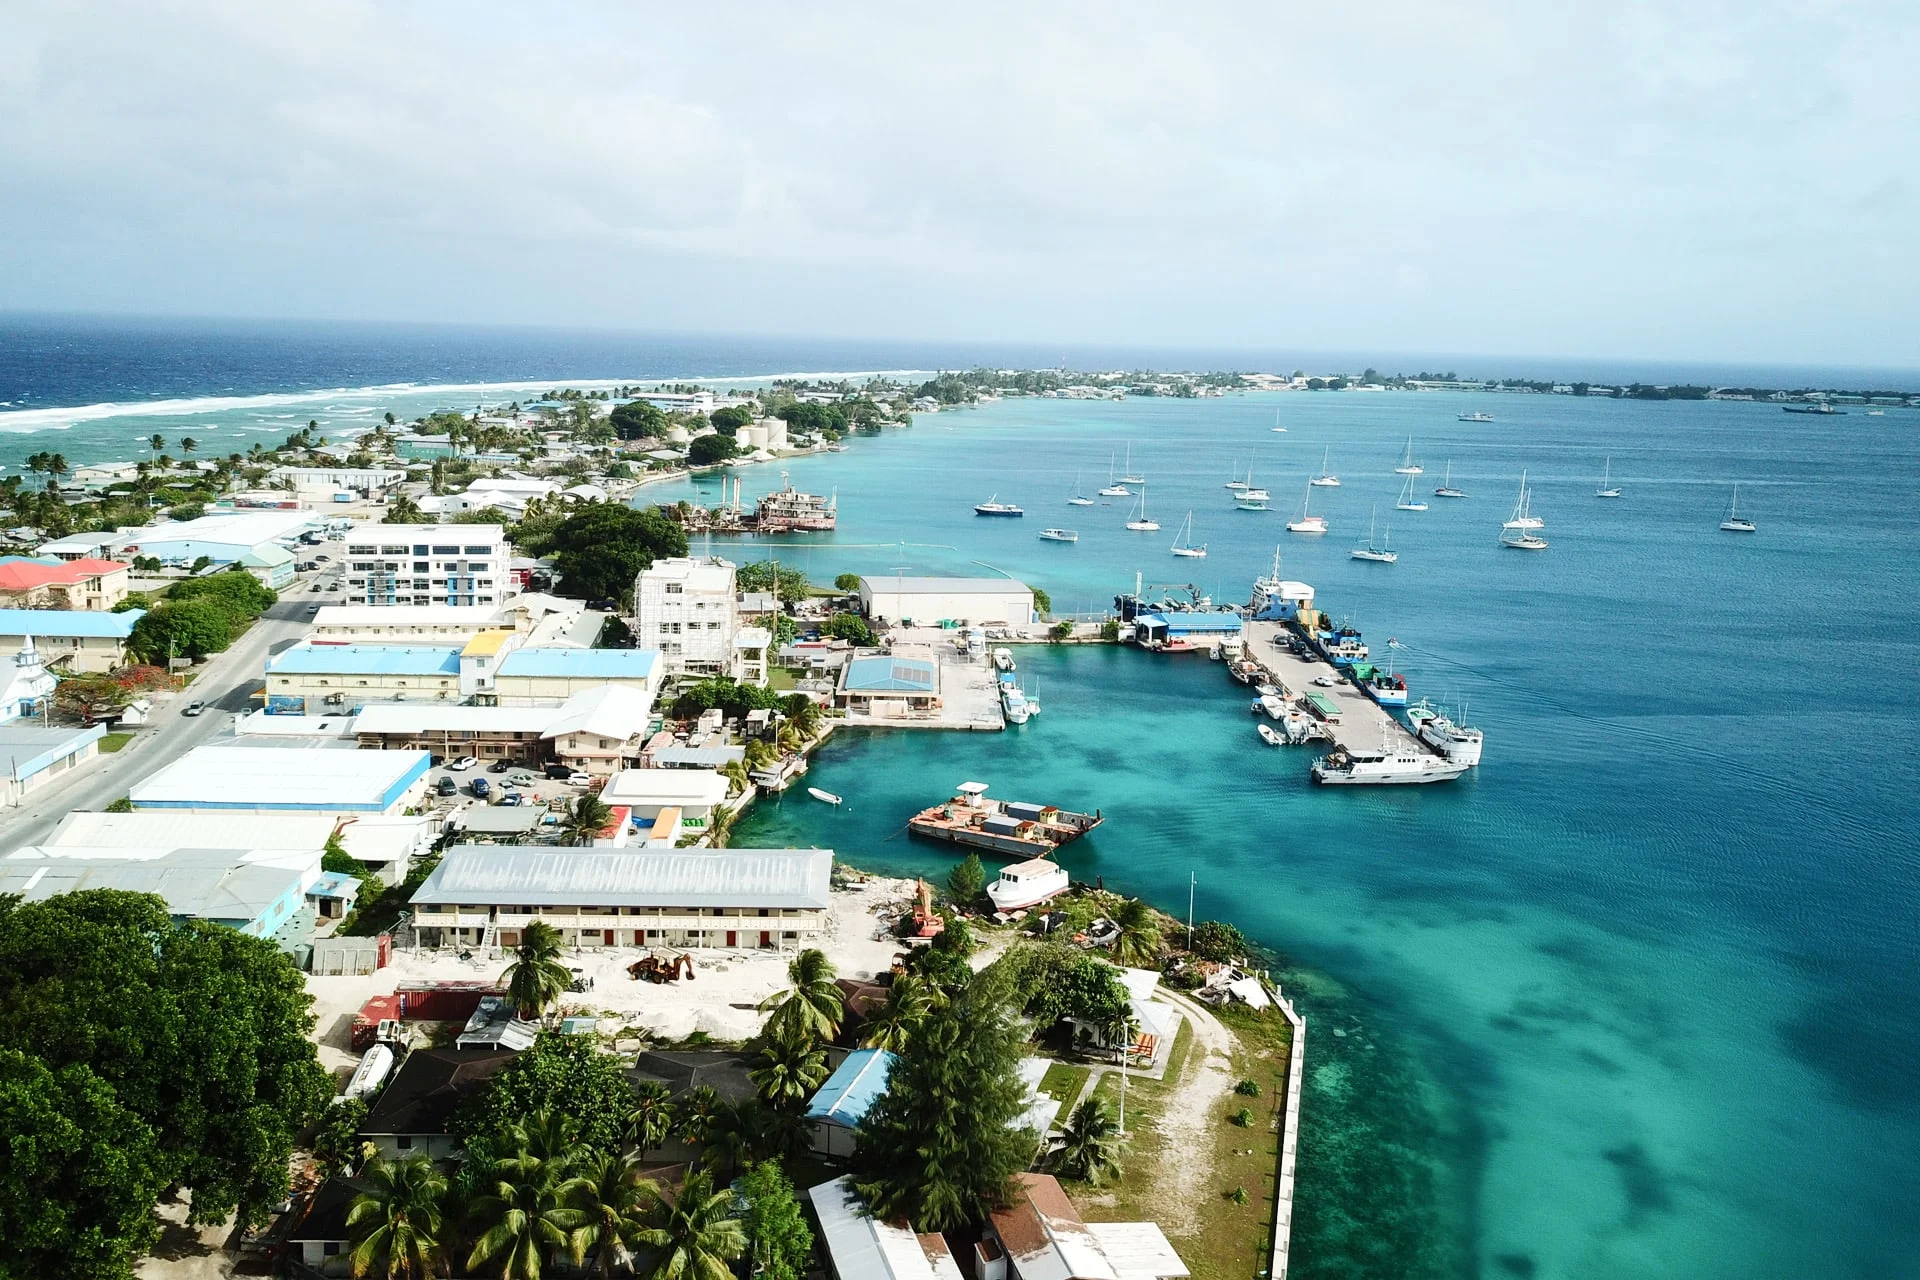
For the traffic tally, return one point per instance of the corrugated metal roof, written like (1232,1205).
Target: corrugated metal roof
(1181,621)
(883,673)
(591,664)
(850,1092)
(429,717)
(206,884)
(476,875)
(281,777)
(865,1248)
(69,622)
(946,586)
(176,828)
(697,757)
(367,660)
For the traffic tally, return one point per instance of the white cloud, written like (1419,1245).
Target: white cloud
(1701,179)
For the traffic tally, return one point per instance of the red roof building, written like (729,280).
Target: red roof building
(86,584)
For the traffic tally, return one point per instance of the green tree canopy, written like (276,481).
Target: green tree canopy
(784,581)
(729,695)
(848,582)
(601,548)
(940,1147)
(242,595)
(779,1243)
(707,450)
(195,1031)
(1219,941)
(190,629)
(1052,980)
(731,418)
(568,1074)
(850,627)
(967,879)
(806,415)
(638,421)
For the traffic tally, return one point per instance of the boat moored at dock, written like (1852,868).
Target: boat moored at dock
(1027,884)
(1008,827)
(1389,766)
(1449,737)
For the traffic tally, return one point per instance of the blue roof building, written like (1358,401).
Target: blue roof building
(844,1100)
(883,683)
(1203,628)
(366,660)
(71,640)
(590,664)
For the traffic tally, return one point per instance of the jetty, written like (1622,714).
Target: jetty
(1352,719)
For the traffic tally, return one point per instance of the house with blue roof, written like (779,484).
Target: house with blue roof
(71,640)
(1196,627)
(555,673)
(908,679)
(836,1110)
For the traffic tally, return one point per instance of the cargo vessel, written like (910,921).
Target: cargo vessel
(1010,828)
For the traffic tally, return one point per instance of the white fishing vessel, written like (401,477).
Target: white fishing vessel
(824,797)
(1027,884)
(1182,547)
(1446,489)
(1735,522)
(993,507)
(1130,476)
(1379,553)
(1140,523)
(1450,737)
(1407,501)
(1408,467)
(1475,417)
(1518,533)
(1078,499)
(1114,488)
(1607,489)
(1391,765)
(1060,535)
(1326,479)
(1014,703)
(1003,659)
(1308,522)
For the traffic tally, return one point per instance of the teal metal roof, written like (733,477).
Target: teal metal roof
(852,1089)
(367,660)
(590,664)
(883,673)
(69,622)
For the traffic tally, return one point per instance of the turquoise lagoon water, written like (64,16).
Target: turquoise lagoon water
(1635,999)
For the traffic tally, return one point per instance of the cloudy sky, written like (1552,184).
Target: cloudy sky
(1690,178)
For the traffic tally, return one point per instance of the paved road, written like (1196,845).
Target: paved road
(223,683)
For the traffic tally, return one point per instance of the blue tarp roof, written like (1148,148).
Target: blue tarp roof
(852,1089)
(1222,622)
(884,673)
(368,660)
(591,664)
(68,622)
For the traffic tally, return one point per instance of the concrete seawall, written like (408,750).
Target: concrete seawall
(1279,1248)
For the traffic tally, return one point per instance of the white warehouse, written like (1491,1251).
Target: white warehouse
(927,601)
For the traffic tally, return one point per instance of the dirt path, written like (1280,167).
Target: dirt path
(1189,1116)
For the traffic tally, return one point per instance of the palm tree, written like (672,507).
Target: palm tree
(188,444)
(395,1222)
(156,442)
(694,1235)
(893,1023)
(536,979)
(585,820)
(802,712)
(720,827)
(403,510)
(651,1119)
(525,1221)
(791,1067)
(611,1196)
(812,1005)
(696,1113)
(547,1136)
(1091,1143)
(1140,941)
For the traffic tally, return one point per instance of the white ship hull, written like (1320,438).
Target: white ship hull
(1389,771)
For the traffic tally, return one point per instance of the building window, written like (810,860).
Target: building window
(330,1248)
(403,1142)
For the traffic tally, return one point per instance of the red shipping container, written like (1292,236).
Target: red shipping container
(366,1023)
(443,1001)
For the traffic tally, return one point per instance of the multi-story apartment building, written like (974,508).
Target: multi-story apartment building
(457,564)
(686,609)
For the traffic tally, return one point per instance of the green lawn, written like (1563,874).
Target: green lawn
(115,741)
(781,679)
(1063,1083)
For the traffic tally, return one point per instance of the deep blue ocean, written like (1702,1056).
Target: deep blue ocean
(1635,1000)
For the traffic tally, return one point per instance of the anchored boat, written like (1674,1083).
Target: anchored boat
(1446,489)
(1008,827)
(991,507)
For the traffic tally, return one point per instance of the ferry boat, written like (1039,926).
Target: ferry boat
(1607,489)
(1384,687)
(1819,409)
(991,507)
(1027,884)
(1059,535)
(1451,738)
(1389,766)
(1408,467)
(1308,522)
(1446,489)
(1326,479)
(1735,522)
(1475,417)
(1007,827)
(1343,646)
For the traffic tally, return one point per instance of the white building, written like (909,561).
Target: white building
(931,600)
(686,609)
(317,779)
(328,481)
(384,846)
(415,624)
(452,564)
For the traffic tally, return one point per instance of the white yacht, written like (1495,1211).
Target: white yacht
(1326,479)
(1027,884)
(1408,467)
(1140,523)
(1238,485)
(1475,417)
(1078,499)
(1392,765)
(1114,488)
(1451,738)
(1276,423)
(1407,501)
(1014,703)
(1060,535)
(1130,476)
(1735,522)
(1308,522)
(1518,533)
(1446,489)
(1379,553)
(1182,547)
(1607,489)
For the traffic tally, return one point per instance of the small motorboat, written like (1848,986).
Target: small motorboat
(824,797)
(1270,736)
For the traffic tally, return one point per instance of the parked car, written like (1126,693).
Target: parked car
(500,766)
(579,780)
(194,708)
(480,788)
(560,771)
(447,787)
(512,798)
(523,778)
(461,765)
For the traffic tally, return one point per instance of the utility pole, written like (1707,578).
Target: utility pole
(1190,883)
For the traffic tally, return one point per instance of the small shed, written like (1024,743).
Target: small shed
(837,1109)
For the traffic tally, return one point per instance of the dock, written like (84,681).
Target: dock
(1006,828)
(1357,722)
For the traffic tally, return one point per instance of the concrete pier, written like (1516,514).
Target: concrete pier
(1364,724)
